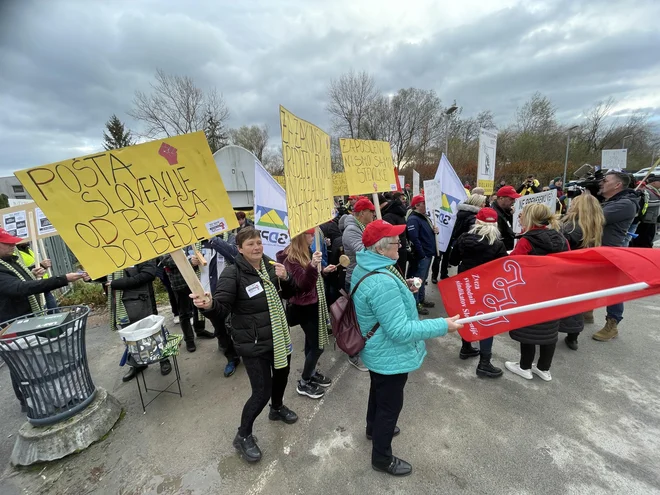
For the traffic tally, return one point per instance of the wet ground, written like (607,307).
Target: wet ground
(595,429)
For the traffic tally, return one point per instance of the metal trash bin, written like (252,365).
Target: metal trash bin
(47,359)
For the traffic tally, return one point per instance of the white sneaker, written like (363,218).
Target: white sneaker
(176,320)
(543,375)
(514,367)
(355,361)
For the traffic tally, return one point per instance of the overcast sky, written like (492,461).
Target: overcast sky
(66,65)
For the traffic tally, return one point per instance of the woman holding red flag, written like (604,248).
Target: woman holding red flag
(583,228)
(541,236)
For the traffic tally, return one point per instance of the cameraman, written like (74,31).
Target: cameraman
(620,209)
(530,186)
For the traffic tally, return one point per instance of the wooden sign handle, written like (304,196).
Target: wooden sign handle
(200,257)
(317,243)
(379,216)
(187,272)
(44,254)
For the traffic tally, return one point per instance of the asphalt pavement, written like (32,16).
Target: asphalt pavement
(594,429)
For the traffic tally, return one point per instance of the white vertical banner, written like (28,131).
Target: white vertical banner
(433,199)
(270,212)
(486,168)
(614,159)
(402,181)
(415,183)
(452,193)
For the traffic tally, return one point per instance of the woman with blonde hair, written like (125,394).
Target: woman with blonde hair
(582,227)
(541,236)
(481,244)
(308,308)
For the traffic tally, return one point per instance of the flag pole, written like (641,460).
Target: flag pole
(374,198)
(643,181)
(587,296)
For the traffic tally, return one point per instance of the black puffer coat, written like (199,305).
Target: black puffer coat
(573,234)
(465,218)
(471,250)
(137,290)
(250,327)
(543,241)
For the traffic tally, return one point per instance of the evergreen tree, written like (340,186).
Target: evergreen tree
(119,136)
(215,133)
(4,201)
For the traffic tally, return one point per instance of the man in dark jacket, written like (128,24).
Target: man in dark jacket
(647,227)
(395,213)
(620,208)
(506,197)
(137,296)
(421,233)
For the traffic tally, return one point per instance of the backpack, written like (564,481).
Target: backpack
(345,327)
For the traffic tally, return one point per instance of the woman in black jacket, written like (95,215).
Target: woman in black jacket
(541,237)
(481,244)
(582,227)
(248,292)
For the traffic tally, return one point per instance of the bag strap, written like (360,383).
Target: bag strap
(371,332)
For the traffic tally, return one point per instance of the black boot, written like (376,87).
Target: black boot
(132,373)
(247,447)
(572,341)
(165,367)
(485,368)
(467,351)
(188,334)
(204,334)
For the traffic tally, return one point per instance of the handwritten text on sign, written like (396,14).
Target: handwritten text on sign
(307,171)
(368,166)
(122,207)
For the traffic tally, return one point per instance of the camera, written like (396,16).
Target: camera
(588,179)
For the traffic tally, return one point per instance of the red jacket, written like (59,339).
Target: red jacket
(304,278)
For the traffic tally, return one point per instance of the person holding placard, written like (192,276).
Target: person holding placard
(248,292)
(308,308)
(541,237)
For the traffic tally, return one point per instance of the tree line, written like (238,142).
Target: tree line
(416,123)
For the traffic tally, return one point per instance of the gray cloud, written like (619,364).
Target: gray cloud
(68,65)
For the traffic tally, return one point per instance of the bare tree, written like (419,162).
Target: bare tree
(273,161)
(592,129)
(253,138)
(177,106)
(350,97)
(537,115)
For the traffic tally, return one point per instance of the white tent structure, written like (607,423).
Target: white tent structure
(236,167)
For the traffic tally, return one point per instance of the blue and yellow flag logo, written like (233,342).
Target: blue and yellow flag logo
(270,217)
(449,203)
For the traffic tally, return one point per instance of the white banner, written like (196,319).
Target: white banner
(402,181)
(614,159)
(43,224)
(19,202)
(415,183)
(548,198)
(452,193)
(270,213)
(486,169)
(16,224)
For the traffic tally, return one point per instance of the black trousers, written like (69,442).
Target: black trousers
(308,318)
(385,403)
(186,311)
(440,267)
(267,383)
(170,293)
(645,235)
(527,352)
(224,339)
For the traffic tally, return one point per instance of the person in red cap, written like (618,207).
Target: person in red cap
(20,287)
(480,244)
(506,197)
(421,233)
(354,225)
(386,308)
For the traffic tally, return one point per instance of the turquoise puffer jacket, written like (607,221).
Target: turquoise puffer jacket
(398,344)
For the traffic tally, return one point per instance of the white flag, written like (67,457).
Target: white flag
(415,183)
(452,193)
(270,213)
(486,167)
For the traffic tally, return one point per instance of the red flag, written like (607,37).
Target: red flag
(396,180)
(521,280)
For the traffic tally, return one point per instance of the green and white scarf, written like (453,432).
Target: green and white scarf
(324,314)
(35,306)
(282,346)
(398,274)
(359,224)
(116,308)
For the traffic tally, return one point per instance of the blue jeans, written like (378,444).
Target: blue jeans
(51,303)
(615,312)
(422,271)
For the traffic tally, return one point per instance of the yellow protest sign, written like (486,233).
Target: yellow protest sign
(368,166)
(307,173)
(339,187)
(121,207)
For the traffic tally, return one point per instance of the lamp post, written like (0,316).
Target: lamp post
(448,112)
(623,143)
(568,143)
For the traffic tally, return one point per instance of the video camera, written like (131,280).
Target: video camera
(587,179)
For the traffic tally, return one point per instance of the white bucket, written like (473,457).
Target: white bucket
(144,339)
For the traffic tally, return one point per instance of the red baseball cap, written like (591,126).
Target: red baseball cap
(7,238)
(487,215)
(379,229)
(416,200)
(507,192)
(310,231)
(407,185)
(363,204)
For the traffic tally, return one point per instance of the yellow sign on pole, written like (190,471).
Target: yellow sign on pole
(121,207)
(307,172)
(368,166)
(339,187)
